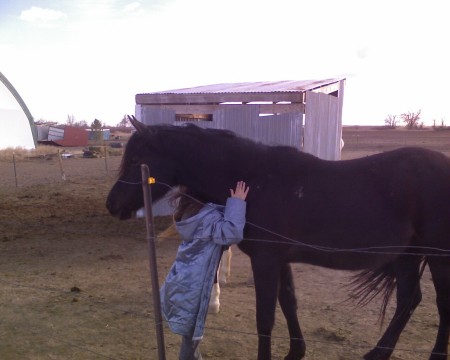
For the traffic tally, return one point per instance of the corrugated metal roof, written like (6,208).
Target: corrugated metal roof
(256,87)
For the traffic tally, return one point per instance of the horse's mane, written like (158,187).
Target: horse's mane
(194,130)
(210,138)
(212,134)
(220,134)
(209,131)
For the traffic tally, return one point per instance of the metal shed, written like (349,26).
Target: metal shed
(306,114)
(69,136)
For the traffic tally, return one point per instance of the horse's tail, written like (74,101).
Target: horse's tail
(370,283)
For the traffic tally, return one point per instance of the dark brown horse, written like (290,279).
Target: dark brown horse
(386,216)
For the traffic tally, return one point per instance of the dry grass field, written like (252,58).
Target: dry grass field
(75,284)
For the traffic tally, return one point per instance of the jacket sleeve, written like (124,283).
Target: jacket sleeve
(229,228)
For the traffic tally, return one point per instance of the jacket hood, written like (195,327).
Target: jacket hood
(186,228)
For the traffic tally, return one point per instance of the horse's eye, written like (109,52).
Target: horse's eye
(135,161)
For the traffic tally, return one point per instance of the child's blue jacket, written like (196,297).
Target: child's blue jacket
(187,289)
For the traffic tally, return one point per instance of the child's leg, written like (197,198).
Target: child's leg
(189,349)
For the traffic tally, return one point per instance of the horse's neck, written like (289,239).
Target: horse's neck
(211,173)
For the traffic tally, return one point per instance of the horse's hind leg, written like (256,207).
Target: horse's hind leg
(409,295)
(440,271)
(266,274)
(288,303)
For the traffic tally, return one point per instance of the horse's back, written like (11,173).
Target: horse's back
(417,188)
(399,198)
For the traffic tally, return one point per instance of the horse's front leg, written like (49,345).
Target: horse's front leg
(266,274)
(225,267)
(214,301)
(288,303)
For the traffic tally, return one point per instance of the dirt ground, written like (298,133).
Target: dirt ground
(75,283)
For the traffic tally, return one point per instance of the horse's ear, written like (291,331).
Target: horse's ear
(140,127)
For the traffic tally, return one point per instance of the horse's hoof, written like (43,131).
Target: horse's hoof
(298,353)
(296,356)
(377,354)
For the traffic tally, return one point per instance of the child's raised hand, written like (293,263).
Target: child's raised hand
(241,190)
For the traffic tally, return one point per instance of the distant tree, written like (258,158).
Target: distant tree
(391,121)
(96,125)
(42,121)
(442,126)
(124,122)
(81,123)
(96,128)
(70,120)
(411,120)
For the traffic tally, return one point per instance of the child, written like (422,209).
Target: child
(204,230)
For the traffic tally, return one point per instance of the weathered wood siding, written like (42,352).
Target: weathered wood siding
(323,130)
(312,106)
(283,129)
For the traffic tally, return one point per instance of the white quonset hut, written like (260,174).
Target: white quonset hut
(306,114)
(17,127)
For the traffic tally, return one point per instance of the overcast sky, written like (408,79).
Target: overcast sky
(89,58)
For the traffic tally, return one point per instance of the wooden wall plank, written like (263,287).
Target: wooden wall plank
(322,126)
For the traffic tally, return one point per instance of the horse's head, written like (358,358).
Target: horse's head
(144,147)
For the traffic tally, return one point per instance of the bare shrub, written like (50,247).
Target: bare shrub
(411,119)
(391,121)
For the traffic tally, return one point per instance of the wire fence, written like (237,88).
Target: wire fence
(54,168)
(212,331)
(53,292)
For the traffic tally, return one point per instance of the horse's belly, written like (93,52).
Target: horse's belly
(355,251)
(342,260)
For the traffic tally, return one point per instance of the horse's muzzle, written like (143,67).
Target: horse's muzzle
(122,214)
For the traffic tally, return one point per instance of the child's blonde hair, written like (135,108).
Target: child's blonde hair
(186,204)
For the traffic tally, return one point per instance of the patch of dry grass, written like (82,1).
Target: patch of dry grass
(69,210)
(48,151)
(22,154)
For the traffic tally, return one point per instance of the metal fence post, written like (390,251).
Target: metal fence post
(152,259)
(15,171)
(61,168)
